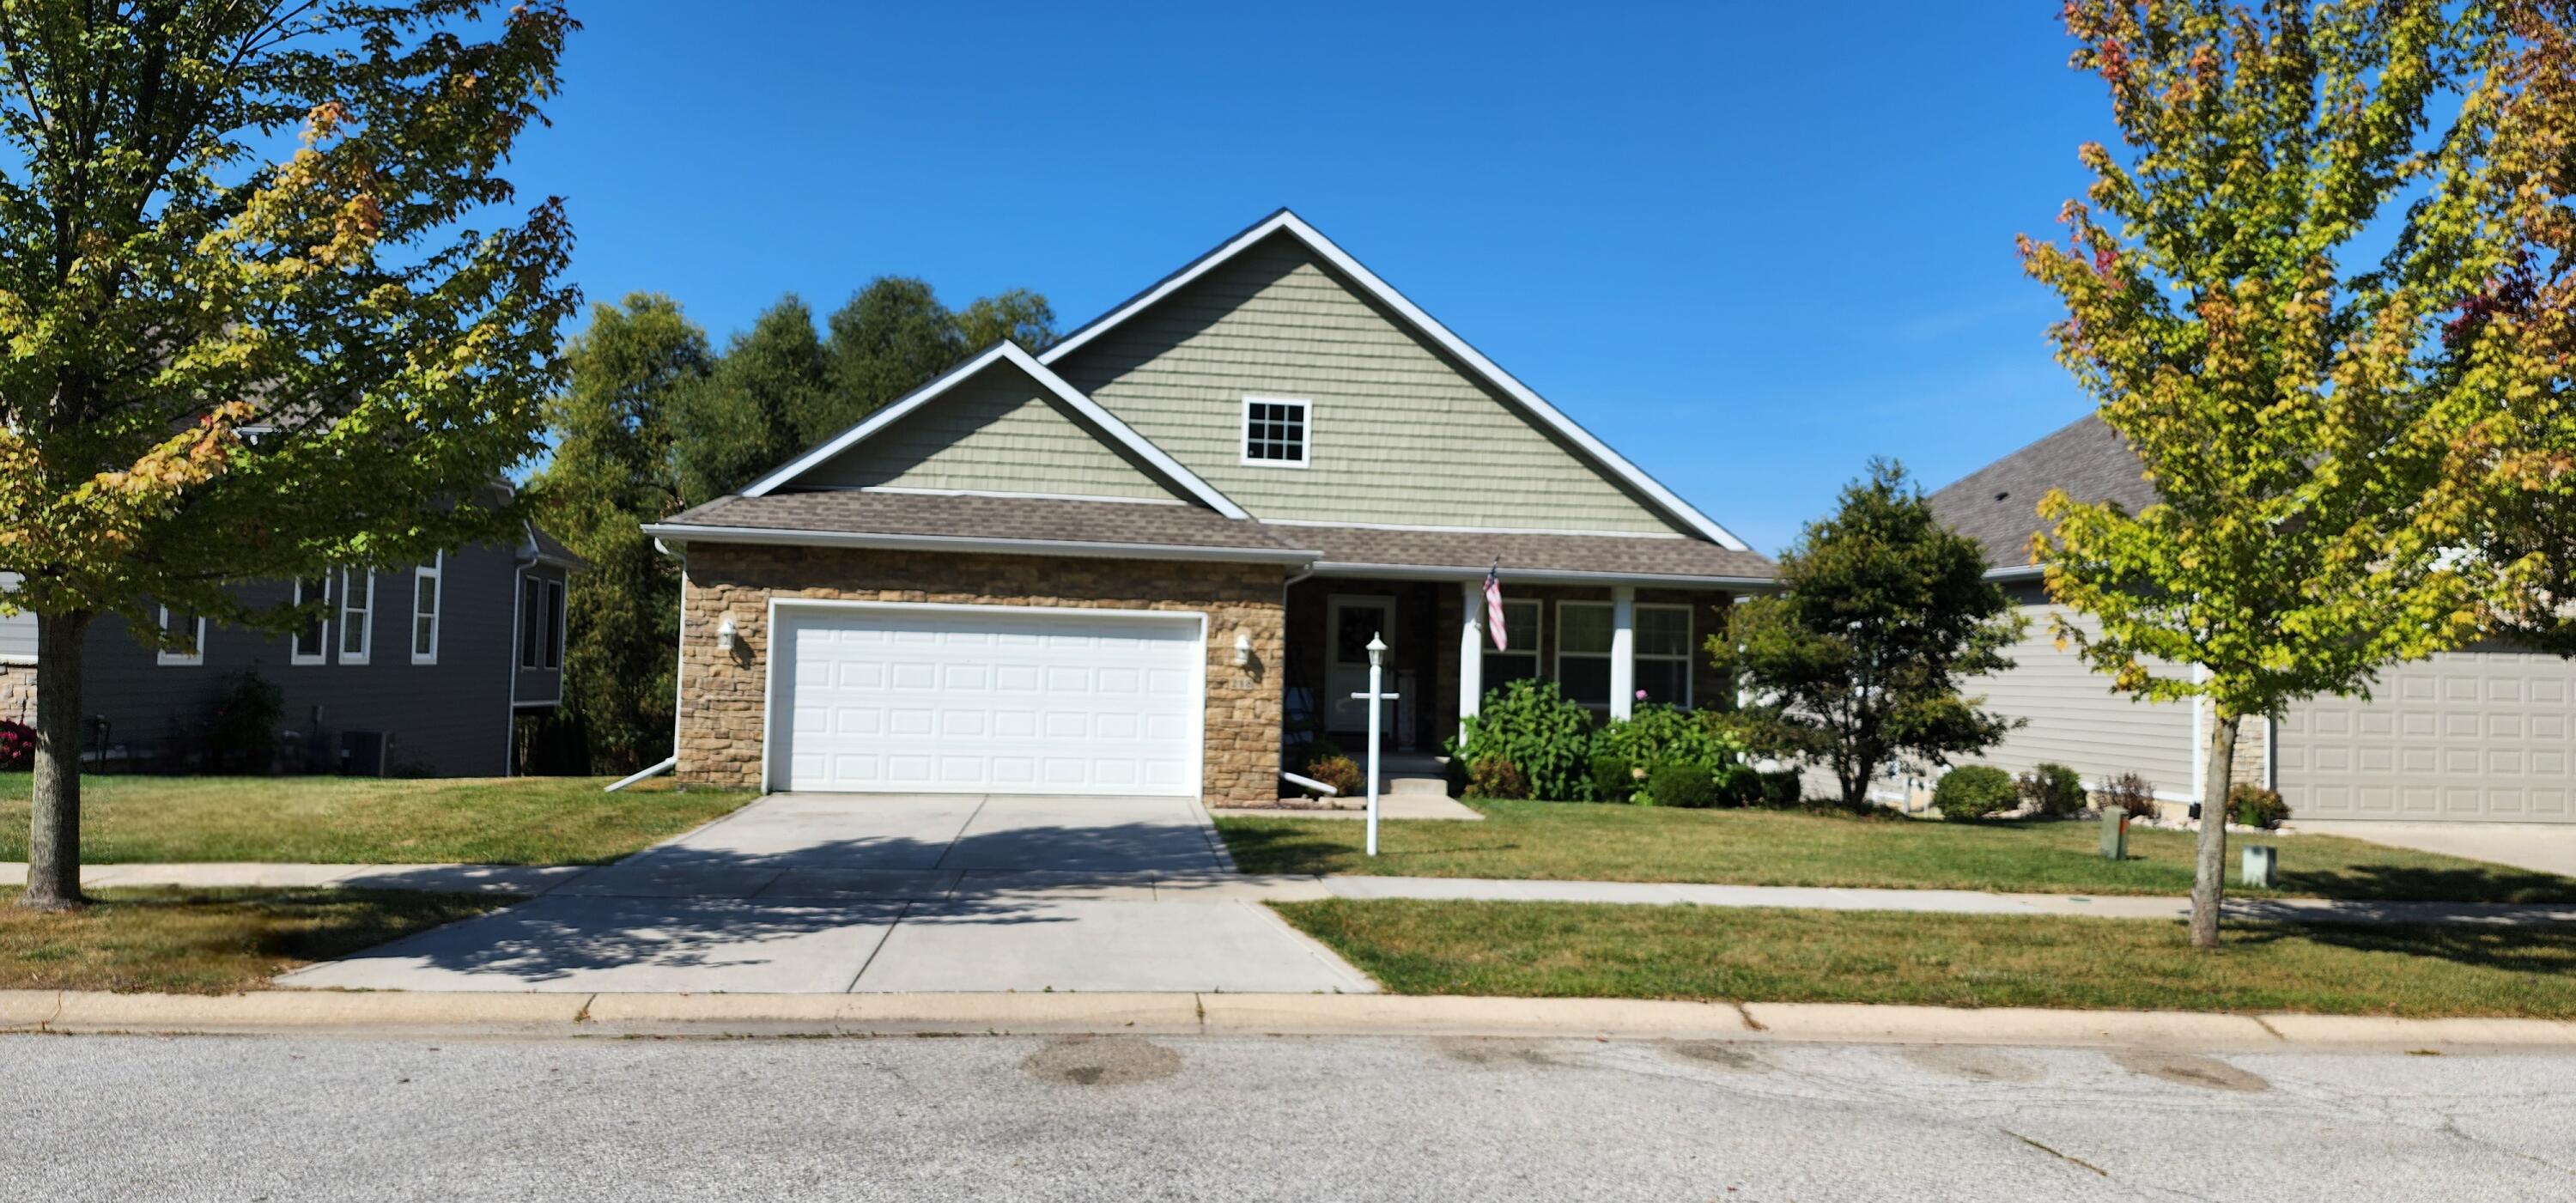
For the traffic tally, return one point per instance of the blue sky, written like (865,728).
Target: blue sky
(1750,245)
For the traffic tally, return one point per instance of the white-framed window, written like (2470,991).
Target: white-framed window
(1520,626)
(1275,431)
(1583,651)
(311,643)
(426,581)
(1664,653)
(357,614)
(541,623)
(191,628)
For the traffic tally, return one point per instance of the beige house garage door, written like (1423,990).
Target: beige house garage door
(985,699)
(2481,735)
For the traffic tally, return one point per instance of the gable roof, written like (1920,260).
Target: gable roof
(1001,353)
(1998,505)
(1548,416)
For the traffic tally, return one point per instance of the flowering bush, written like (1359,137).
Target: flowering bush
(17,746)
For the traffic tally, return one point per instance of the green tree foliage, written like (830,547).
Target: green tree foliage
(230,360)
(613,470)
(2331,435)
(1858,663)
(750,415)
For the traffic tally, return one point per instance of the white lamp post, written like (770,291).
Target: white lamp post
(1377,701)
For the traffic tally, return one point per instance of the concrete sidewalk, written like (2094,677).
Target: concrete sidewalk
(932,886)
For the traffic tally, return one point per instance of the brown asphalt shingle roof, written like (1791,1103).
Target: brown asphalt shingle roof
(851,511)
(1998,505)
(1644,556)
(1147,525)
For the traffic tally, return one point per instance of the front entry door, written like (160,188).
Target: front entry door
(1350,622)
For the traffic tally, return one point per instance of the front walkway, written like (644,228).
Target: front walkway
(830,893)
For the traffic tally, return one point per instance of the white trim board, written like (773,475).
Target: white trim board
(1386,294)
(1055,385)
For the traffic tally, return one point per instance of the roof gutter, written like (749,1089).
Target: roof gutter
(2021,572)
(1536,576)
(682,534)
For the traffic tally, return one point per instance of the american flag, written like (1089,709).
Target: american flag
(1494,606)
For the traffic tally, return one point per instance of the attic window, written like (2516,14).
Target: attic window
(1274,432)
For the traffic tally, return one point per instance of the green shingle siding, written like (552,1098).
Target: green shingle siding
(1398,434)
(997,433)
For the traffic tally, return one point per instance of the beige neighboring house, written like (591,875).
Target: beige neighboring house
(1146,559)
(2485,734)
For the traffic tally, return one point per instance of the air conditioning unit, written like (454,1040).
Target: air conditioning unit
(365,753)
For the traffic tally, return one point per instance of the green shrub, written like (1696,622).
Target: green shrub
(2255,806)
(1613,779)
(1780,787)
(2051,789)
(1973,792)
(1686,785)
(1546,739)
(1495,777)
(2129,792)
(241,729)
(1340,772)
(17,746)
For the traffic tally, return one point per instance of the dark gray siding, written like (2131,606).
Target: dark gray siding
(450,719)
(541,686)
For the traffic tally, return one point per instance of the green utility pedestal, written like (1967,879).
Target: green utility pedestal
(2115,835)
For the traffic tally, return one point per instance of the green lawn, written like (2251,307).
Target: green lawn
(1547,949)
(1585,842)
(355,820)
(207,941)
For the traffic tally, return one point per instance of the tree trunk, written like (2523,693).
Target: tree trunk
(53,827)
(2209,867)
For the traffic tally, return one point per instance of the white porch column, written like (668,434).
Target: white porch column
(1471,652)
(1623,650)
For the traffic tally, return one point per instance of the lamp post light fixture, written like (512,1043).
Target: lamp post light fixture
(1377,698)
(724,634)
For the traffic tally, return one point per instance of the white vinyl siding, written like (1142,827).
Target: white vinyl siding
(2075,719)
(997,433)
(17,631)
(1415,440)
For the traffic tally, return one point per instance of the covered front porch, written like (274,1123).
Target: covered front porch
(1608,644)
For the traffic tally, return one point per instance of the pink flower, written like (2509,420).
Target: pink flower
(1641,695)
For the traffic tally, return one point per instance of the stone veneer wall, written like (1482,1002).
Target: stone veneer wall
(721,694)
(2253,750)
(18,693)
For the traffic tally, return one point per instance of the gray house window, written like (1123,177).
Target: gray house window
(1583,651)
(191,628)
(1664,653)
(541,623)
(1274,431)
(1520,626)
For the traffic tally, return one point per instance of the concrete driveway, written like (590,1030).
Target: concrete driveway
(2539,847)
(825,893)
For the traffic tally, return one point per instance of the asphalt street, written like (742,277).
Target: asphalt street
(1128,1118)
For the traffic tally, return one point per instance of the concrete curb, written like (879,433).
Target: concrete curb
(724,1015)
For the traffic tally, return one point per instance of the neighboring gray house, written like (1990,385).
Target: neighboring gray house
(1145,559)
(417,670)
(2484,734)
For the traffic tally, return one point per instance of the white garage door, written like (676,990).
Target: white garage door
(985,700)
(2482,735)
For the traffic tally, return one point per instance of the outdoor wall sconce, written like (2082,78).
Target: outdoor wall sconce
(1242,648)
(724,635)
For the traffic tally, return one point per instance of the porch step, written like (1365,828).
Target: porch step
(1437,787)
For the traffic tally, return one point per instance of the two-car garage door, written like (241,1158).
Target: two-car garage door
(2485,734)
(977,699)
